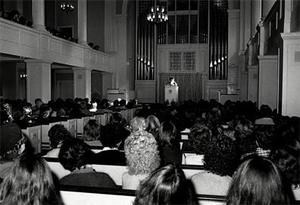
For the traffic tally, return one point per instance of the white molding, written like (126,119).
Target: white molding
(19,40)
(290,36)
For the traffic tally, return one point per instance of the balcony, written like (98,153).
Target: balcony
(23,41)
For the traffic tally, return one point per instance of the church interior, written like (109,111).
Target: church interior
(118,56)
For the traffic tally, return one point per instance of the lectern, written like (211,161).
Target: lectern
(171,93)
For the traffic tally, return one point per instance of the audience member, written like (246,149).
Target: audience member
(91,133)
(166,186)
(115,131)
(286,155)
(169,147)
(75,156)
(57,135)
(29,182)
(110,153)
(199,138)
(153,125)
(12,143)
(220,161)
(138,124)
(36,108)
(258,181)
(142,157)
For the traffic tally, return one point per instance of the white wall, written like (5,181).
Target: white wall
(268,85)
(291,74)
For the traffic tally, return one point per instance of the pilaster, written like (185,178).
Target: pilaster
(82,82)
(82,21)
(38,14)
(233,50)
(38,80)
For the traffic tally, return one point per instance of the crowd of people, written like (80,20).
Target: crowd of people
(251,155)
(25,114)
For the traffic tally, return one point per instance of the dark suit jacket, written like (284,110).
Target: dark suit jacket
(89,179)
(111,157)
(170,154)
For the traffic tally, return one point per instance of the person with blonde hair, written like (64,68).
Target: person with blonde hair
(153,125)
(138,124)
(142,156)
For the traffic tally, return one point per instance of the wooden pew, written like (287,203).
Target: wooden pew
(114,171)
(73,195)
(35,136)
(38,134)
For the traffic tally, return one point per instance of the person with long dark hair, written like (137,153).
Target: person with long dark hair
(30,182)
(169,147)
(259,181)
(165,186)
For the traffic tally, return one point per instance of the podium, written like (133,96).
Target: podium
(171,93)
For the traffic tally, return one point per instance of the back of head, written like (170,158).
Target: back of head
(167,133)
(13,143)
(91,131)
(152,122)
(258,181)
(199,137)
(220,155)
(138,124)
(167,185)
(57,134)
(141,153)
(30,182)
(116,118)
(74,153)
(287,158)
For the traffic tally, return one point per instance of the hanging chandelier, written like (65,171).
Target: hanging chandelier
(157,14)
(67,6)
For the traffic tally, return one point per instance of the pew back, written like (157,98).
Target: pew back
(93,196)
(114,171)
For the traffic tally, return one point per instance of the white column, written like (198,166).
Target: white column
(288,10)
(82,21)
(20,6)
(82,83)
(38,80)
(268,81)
(263,38)
(233,50)
(291,74)
(38,14)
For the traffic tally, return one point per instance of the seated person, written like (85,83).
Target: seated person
(91,133)
(115,130)
(57,135)
(153,125)
(30,181)
(36,108)
(259,181)
(12,143)
(286,155)
(169,147)
(142,155)
(138,124)
(220,161)
(110,153)
(75,156)
(166,185)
